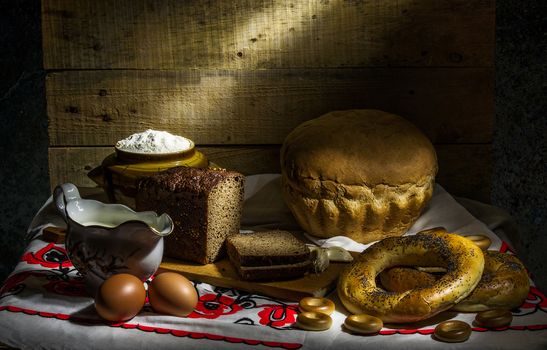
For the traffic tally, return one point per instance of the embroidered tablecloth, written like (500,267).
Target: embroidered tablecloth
(43,302)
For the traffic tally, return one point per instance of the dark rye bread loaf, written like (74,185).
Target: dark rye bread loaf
(268,255)
(205,206)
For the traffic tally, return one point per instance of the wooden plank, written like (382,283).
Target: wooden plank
(170,34)
(72,164)
(463,169)
(222,273)
(90,108)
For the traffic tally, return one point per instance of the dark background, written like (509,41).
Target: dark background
(519,147)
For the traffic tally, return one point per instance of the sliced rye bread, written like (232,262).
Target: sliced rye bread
(205,206)
(274,272)
(267,255)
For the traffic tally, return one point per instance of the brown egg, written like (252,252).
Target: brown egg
(173,294)
(120,297)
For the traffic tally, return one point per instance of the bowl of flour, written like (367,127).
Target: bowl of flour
(140,155)
(153,145)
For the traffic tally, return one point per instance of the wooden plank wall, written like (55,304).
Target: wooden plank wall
(237,76)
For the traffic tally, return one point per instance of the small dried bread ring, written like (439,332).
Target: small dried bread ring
(313,321)
(322,305)
(494,318)
(482,241)
(463,260)
(438,229)
(453,331)
(363,324)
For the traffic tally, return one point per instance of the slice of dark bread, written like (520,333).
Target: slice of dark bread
(274,272)
(205,206)
(268,255)
(266,248)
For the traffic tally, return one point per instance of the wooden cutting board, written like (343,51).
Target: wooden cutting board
(223,274)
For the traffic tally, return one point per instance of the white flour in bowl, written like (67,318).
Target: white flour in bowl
(153,141)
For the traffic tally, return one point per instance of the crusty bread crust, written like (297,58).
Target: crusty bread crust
(205,206)
(365,174)
(358,212)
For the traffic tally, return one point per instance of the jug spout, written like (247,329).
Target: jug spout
(164,225)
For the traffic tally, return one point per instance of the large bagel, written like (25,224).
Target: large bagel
(463,260)
(504,283)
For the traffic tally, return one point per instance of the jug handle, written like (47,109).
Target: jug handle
(62,195)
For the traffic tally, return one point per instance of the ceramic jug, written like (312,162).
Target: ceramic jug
(105,239)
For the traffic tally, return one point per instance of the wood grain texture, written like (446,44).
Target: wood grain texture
(222,273)
(237,77)
(463,169)
(171,34)
(261,107)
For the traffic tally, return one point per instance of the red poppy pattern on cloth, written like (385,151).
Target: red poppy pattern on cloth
(14,283)
(53,274)
(45,270)
(72,288)
(278,315)
(51,255)
(215,305)
(258,310)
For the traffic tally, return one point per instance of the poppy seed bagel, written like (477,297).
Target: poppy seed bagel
(463,260)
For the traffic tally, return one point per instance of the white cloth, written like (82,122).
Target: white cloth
(265,208)
(42,303)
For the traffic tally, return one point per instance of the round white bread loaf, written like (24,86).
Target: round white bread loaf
(365,174)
